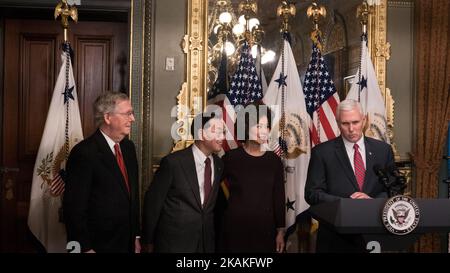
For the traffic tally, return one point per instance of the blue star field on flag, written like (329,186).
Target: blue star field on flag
(245,86)
(318,85)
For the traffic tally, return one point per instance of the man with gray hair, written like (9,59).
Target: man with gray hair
(344,168)
(101,202)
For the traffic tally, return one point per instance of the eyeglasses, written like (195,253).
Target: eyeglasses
(127,114)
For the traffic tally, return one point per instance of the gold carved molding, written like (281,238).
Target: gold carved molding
(192,96)
(380,51)
(407,173)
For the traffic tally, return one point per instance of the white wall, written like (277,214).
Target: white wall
(170,21)
(400,73)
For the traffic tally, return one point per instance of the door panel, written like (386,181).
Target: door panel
(37,66)
(94,73)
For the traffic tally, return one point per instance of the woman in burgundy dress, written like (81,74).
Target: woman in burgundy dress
(254,218)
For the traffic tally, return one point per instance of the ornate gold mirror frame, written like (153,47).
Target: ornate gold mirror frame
(192,96)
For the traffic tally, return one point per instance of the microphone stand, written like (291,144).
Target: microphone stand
(383,178)
(398,187)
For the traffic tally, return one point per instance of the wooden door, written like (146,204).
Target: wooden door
(31,64)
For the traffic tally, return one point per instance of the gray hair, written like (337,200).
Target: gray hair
(348,105)
(106,103)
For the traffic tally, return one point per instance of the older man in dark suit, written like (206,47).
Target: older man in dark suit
(344,168)
(101,203)
(179,204)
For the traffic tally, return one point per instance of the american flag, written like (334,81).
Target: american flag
(321,99)
(245,83)
(245,88)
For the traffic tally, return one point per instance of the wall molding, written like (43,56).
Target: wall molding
(400,4)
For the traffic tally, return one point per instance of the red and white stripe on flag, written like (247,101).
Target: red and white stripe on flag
(324,126)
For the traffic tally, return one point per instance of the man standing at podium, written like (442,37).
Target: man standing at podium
(344,168)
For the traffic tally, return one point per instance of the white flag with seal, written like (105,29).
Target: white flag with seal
(370,97)
(290,139)
(62,131)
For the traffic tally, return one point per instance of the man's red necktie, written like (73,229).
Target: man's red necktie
(360,171)
(121,164)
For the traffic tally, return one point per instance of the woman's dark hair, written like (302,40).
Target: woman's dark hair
(249,116)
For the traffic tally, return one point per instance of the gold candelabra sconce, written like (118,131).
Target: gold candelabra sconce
(248,9)
(257,35)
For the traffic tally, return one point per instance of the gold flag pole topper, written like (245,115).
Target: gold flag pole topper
(66,11)
(315,13)
(362,13)
(286,11)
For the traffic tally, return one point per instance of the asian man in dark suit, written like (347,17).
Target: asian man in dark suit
(101,203)
(344,168)
(179,204)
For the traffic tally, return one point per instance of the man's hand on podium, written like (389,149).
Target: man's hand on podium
(359,195)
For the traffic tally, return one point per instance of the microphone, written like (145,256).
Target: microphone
(394,171)
(380,172)
(399,185)
(382,175)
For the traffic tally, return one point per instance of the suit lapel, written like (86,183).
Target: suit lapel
(217,171)
(341,154)
(370,159)
(188,166)
(108,159)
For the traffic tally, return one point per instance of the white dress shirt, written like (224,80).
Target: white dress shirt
(111,142)
(199,158)
(351,151)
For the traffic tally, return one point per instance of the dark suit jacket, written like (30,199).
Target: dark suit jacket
(331,177)
(98,210)
(174,219)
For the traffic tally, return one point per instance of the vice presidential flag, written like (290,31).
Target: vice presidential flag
(290,132)
(62,131)
(365,89)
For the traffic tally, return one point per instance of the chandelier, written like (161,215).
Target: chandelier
(228,31)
